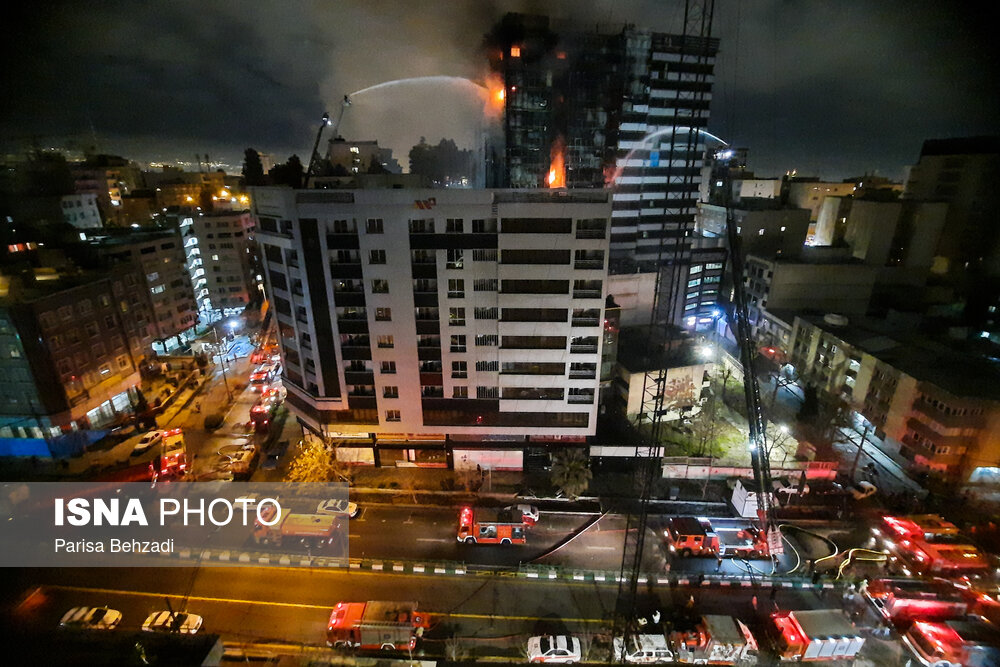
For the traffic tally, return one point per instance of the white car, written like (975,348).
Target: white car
(557,648)
(91,618)
(529,513)
(338,507)
(147,441)
(176,622)
(643,649)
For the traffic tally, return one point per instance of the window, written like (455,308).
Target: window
(486,366)
(383,314)
(487,339)
(460,391)
(484,285)
(380,286)
(459,369)
(484,226)
(484,255)
(392,416)
(390,391)
(487,392)
(376,257)
(385,341)
(374,226)
(389,367)
(487,313)
(422,226)
(343,227)
(454,258)
(456,317)
(456,288)
(458,343)
(454,226)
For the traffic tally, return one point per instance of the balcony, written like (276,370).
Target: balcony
(587,294)
(588,264)
(586,321)
(359,377)
(583,349)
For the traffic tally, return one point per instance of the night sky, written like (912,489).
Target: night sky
(828,88)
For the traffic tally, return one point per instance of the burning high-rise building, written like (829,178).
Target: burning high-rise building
(618,109)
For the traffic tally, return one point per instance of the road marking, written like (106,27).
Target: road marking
(432,539)
(603,548)
(325,607)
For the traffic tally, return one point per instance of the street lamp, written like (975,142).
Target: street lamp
(222,361)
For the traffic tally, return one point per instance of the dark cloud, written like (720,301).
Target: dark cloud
(832,88)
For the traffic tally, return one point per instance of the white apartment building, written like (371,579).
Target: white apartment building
(438,327)
(220,256)
(81,211)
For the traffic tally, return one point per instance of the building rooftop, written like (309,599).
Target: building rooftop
(639,351)
(897,341)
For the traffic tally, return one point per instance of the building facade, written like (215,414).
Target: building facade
(438,326)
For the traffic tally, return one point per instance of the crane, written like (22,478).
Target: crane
(314,156)
(697,33)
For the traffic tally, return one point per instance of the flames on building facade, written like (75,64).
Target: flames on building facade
(557,164)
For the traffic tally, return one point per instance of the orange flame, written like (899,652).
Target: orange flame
(557,164)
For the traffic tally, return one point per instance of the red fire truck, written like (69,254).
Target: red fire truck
(690,536)
(376,625)
(819,634)
(901,601)
(475,526)
(172,461)
(927,545)
(971,643)
(310,530)
(716,640)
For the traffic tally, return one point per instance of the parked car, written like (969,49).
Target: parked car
(91,618)
(554,648)
(145,442)
(338,507)
(177,622)
(527,513)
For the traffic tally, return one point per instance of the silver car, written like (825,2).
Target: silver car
(91,618)
(173,622)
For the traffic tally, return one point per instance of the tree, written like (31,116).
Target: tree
(571,471)
(291,173)
(253,169)
(314,462)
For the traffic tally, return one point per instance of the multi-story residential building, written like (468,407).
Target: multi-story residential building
(221,257)
(159,254)
(429,325)
(765,226)
(71,346)
(809,193)
(588,109)
(81,211)
(935,406)
(962,173)
(109,178)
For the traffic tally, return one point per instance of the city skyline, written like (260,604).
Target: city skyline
(824,90)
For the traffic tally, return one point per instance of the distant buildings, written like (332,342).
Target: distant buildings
(439,326)
(360,157)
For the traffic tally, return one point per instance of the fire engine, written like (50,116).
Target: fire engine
(690,536)
(172,461)
(716,640)
(927,544)
(972,643)
(500,528)
(820,634)
(901,601)
(376,625)
(310,530)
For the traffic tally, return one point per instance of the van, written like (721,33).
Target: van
(643,649)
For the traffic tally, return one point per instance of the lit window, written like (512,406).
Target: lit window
(515,52)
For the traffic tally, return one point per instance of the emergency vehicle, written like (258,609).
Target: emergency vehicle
(478,527)
(172,461)
(972,643)
(310,530)
(927,545)
(819,634)
(901,601)
(716,640)
(391,626)
(690,536)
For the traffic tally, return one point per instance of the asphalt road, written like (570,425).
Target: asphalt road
(491,615)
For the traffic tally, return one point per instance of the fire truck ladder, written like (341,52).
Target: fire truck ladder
(697,33)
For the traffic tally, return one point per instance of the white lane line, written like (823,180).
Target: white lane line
(433,539)
(603,548)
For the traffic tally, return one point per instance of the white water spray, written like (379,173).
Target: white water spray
(467,83)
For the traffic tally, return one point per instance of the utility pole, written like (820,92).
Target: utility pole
(222,361)
(861,445)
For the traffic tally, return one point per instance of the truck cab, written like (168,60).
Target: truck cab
(688,536)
